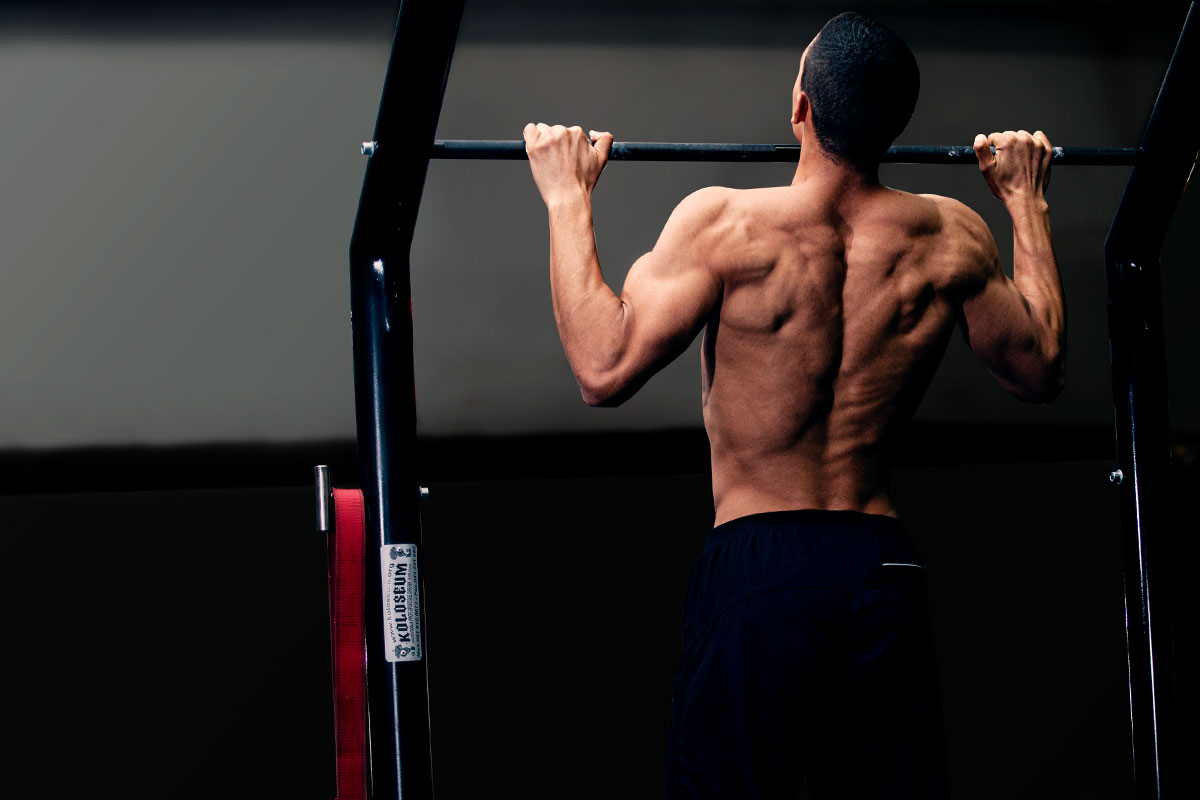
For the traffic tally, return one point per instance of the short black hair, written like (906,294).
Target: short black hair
(862,83)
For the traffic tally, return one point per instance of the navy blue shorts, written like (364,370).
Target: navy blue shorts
(807,661)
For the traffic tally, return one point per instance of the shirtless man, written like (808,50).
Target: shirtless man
(826,307)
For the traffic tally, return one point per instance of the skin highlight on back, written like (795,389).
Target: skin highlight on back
(831,338)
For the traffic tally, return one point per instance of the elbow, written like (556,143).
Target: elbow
(600,391)
(1055,376)
(597,399)
(1059,383)
(602,401)
(1041,395)
(1047,385)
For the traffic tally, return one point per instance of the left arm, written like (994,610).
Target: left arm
(615,343)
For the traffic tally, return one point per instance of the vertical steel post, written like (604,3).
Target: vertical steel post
(1139,380)
(385,406)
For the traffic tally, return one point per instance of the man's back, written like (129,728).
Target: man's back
(836,310)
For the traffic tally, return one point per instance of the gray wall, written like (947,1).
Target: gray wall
(176,213)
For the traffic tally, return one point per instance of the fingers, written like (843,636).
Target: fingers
(1003,141)
(602,142)
(1025,144)
(565,160)
(539,134)
(1020,164)
(1022,137)
(1047,157)
(983,152)
(1047,149)
(1010,140)
(534,132)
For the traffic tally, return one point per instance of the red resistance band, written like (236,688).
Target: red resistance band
(347,576)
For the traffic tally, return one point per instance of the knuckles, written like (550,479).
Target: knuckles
(1024,139)
(541,136)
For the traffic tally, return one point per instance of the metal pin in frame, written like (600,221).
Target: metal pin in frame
(324,481)
(1116,477)
(369,148)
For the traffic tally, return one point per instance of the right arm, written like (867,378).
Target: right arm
(1017,327)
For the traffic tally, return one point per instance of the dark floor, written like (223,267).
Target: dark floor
(174,643)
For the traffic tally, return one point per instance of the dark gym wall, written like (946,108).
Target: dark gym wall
(180,187)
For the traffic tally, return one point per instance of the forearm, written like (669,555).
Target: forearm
(1035,273)
(589,316)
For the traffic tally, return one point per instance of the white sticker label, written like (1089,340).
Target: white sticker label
(401,602)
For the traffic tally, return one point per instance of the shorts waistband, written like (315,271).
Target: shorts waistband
(806,517)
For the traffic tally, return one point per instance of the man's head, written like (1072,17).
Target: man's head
(861,83)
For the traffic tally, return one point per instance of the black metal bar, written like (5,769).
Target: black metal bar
(514,150)
(1170,144)
(385,406)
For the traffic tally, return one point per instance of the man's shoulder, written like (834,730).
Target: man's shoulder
(700,210)
(727,199)
(719,214)
(727,228)
(699,224)
(954,214)
(706,203)
(965,241)
(729,210)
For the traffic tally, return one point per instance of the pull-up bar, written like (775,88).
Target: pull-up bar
(514,150)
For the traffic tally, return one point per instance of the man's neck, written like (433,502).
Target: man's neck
(817,169)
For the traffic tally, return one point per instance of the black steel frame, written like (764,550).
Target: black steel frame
(403,143)
(384,401)
(1139,380)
